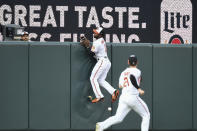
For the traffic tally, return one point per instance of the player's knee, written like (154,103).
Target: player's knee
(91,78)
(147,116)
(101,81)
(118,119)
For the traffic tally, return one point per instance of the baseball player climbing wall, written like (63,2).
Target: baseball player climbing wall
(102,67)
(126,22)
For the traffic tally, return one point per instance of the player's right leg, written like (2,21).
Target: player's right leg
(142,109)
(122,110)
(96,72)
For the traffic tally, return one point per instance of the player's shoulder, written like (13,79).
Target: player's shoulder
(134,70)
(96,41)
(125,71)
(122,71)
(138,70)
(99,41)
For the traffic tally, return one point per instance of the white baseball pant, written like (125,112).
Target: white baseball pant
(126,104)
(98,76)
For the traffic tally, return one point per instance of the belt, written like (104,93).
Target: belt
(102,57)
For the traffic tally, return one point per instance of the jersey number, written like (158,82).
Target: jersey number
(126,82)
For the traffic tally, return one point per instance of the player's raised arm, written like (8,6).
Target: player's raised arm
(86,43)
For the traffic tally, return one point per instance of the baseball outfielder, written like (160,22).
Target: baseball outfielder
(99,73)
(129,81)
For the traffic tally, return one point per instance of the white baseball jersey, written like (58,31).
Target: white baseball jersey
(99,48)
(125,82)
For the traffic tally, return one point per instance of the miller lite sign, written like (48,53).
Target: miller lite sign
(176,22)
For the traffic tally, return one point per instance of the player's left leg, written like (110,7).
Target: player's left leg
(122,110)
(96,72)
(142,109)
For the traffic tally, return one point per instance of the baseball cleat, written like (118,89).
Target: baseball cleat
(97,100)
(115,95)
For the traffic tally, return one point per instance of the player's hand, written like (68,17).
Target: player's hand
(141,91)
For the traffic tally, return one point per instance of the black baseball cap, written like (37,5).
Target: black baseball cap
(133,60)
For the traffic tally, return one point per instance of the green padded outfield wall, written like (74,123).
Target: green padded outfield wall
(195,87)
(13,85)
(172,86)
(84,114)
(49,86)
(120,55)
(57,75)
